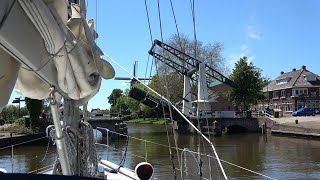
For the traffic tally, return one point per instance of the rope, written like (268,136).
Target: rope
(176,24)
(166,82)
(182,115)
(194,28)
(45,155)
(123,159)
(195,56)
(180,149)
(198,162)
(37,170)
(18,144)
(145,3)
(95,35)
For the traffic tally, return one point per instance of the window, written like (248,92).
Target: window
(288,107)
(305,91)
(283,93)
(311,77)
(300,91)
(275,94)
(314,94)
(283,81)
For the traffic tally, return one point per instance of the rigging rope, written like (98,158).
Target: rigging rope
(195,56)
(123,159)
(45,155)
(147,12)
(176,24)
(96,23)
(198,162)
(180,149)
(182,115)
(168,139)
(166,82)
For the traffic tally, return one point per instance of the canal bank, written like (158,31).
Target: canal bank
(296,126)
(10,139)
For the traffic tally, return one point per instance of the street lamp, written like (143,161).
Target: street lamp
(18,100)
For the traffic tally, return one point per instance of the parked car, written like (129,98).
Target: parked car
(317,110)
(304,112)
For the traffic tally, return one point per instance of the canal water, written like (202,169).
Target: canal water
(278,157)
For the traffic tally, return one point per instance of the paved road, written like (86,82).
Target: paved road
(312,122)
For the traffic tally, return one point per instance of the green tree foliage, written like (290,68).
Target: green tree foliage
(113,98)
(106,111)
(128,106)
(11,112)
(208,53)
(249,81)
(171,84)
(34,106)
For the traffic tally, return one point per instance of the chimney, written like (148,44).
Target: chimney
(304,67)
(281,72)
(294,69)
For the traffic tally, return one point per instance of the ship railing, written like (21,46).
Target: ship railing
(40,158)
(145,157)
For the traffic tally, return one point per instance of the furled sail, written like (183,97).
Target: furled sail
(46,43)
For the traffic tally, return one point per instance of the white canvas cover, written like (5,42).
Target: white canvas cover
(44,44)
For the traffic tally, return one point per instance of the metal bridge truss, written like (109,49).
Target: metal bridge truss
(213,77)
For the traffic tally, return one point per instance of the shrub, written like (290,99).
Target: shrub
(19,121)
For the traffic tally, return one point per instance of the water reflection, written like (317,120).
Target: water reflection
(275,156)
(27,158)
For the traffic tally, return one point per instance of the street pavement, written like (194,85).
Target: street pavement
(311,122)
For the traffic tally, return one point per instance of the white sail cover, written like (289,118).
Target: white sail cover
(46,43)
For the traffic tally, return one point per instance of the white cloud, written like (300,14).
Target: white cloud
(243,47)
(124,84)
(252,33)
(234,57)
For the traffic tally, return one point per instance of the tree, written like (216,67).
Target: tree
(9,113)
(34,107)
(112,99)
(249,81)
(208,53)
(171,83)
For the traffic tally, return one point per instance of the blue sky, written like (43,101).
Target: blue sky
(275,35)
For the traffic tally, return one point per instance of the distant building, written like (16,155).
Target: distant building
(292,90)
(221,101)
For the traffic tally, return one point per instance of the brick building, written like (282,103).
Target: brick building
(218,94)
(292,90)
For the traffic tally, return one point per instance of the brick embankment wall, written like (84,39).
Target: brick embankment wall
(8,141)
(268,122)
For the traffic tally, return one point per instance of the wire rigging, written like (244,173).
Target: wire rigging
(165,78)
(176,24)
(180,149)
(192,3)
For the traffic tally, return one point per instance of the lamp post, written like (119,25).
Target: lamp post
(18,100)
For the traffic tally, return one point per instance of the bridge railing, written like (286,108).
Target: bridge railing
(262,114)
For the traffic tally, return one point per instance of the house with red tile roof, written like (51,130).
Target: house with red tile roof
(292,90)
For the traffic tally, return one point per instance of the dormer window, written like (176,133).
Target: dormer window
(310,77)
(283,80)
